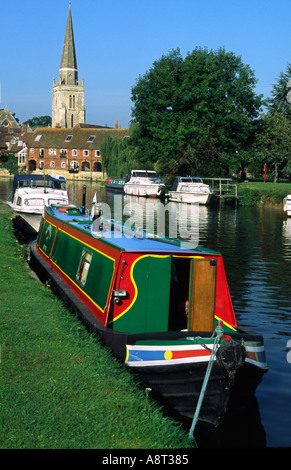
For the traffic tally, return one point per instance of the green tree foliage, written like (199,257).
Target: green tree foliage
(273,139)
(273,144)
(118,156)
(195,115)
(281,94)
(39,121)
(10,163)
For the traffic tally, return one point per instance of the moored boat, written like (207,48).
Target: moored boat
(190,190)
(161,307)
(113,182)
(30,195)
(144,183)
(287,205)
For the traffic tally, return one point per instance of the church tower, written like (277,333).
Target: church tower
(68,94)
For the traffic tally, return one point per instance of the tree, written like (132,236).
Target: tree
(39,121)
(273,144)
(281,94)
(195,114)
(118,156)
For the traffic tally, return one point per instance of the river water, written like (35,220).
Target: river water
(256,247)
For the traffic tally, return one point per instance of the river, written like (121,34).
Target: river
(256,247)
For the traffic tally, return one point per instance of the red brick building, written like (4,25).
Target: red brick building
(72,149)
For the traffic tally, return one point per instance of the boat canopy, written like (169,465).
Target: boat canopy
(33,181)
(185,179)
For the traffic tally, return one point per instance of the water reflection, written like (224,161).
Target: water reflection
(286,232)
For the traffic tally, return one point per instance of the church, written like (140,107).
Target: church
(70,144)
(68,93)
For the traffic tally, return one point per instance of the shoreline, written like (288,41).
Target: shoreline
(251,193)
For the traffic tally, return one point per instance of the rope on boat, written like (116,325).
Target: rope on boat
(219,333)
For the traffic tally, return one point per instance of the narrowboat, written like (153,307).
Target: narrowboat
(190,190)
(144,183)
(115,183)
(30,195)
(159,304)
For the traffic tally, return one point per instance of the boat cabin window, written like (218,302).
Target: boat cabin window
(34,202)
(145,174)
(57,202)
(84,266)
(18,202)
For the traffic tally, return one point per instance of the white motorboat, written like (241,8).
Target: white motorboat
(287,204)
(31,193)
(144,183)
(190,189)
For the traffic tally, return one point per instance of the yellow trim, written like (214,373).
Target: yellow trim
(229,326)
(127,354)
(90,246)
(83,292)
(71,280)
(134,284)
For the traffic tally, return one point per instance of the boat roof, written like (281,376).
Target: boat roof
(38,177)
(122,238)
(188,178)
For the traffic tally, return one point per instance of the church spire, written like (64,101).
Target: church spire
(69,69)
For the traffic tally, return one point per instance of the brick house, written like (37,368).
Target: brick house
(12,138)
(72,149)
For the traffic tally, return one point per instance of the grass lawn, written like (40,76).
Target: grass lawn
(257,193)
(60,388)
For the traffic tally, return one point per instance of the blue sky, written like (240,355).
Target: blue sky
(118,40)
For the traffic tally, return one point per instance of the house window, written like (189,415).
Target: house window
(31,150)
(63,165)
(63,152)
(91,138)
(41,165)
(74,153)
(52,152)
(21,158)
(86,153)
(52,164)
(38,137)
(84,266)
(68,138)
(97,153)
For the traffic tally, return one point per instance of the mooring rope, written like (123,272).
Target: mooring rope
(219,333)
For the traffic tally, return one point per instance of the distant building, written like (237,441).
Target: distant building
(13,139)
(68,107)
(69,144)
(7,119)
(73,149)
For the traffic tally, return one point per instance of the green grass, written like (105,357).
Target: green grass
(59,387)
(260,193)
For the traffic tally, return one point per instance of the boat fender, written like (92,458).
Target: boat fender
(231,356)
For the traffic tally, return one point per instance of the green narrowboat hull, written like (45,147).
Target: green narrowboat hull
(122,288)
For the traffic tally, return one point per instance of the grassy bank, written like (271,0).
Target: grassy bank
(60,389)
(260,193)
